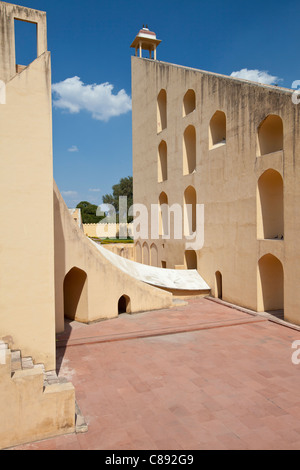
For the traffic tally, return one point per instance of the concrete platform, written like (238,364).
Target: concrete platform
(197,376)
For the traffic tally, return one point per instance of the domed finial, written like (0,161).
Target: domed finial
(146,40)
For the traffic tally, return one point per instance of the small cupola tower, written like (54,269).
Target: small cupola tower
(146,40)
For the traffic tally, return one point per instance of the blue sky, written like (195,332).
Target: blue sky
(90,40)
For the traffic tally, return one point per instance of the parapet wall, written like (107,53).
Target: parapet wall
(126,250)
(26,180)
(88,287)
(108,230)
(9,13)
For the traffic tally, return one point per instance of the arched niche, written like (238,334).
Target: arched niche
(75,294)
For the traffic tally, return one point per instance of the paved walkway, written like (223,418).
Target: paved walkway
(199,376)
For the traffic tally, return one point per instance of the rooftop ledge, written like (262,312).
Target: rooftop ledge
(239,80)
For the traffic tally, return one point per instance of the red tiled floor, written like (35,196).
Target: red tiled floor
(200,376)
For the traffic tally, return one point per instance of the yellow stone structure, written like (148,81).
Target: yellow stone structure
(228,146)
(49,269)
(232,147)
(30,409)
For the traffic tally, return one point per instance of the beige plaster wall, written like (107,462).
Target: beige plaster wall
(104,284)
(106,230)
(226,176)
(26,190)
(29,411)
(126,250)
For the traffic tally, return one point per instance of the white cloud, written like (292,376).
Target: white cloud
(95,190)
(74,148)
(259,76)
(74,96)
(69,193)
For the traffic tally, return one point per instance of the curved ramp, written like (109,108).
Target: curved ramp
(175,279)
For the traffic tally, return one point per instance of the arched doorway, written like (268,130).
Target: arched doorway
(124,304)
(75,294)
(270,288)
(145,253)
(138,252)
(154,255)
(218,285)
(190,259)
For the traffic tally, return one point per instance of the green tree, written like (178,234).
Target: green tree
(88,213)
(123,188)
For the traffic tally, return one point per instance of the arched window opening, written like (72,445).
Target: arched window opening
(124,304)
(270,285)
(161,110)
(145,253)
(270,218)
(162,162)
(163,214)
(189,102)
(190,259)
(138,252)
(218,285)
(189,211)
(270,135)
(154,255)
(217,129)
(75,294)
(189,150)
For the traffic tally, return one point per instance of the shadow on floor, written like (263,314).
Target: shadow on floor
(276,313)
(60,351)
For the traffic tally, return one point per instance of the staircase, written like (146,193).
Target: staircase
(34,403)
(24,363)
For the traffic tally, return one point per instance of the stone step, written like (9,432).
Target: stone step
(16,361)
(178,302)
(27,363)
(50,378)
(19,364)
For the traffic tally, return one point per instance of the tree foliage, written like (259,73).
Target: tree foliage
(88,213)
(123,188)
